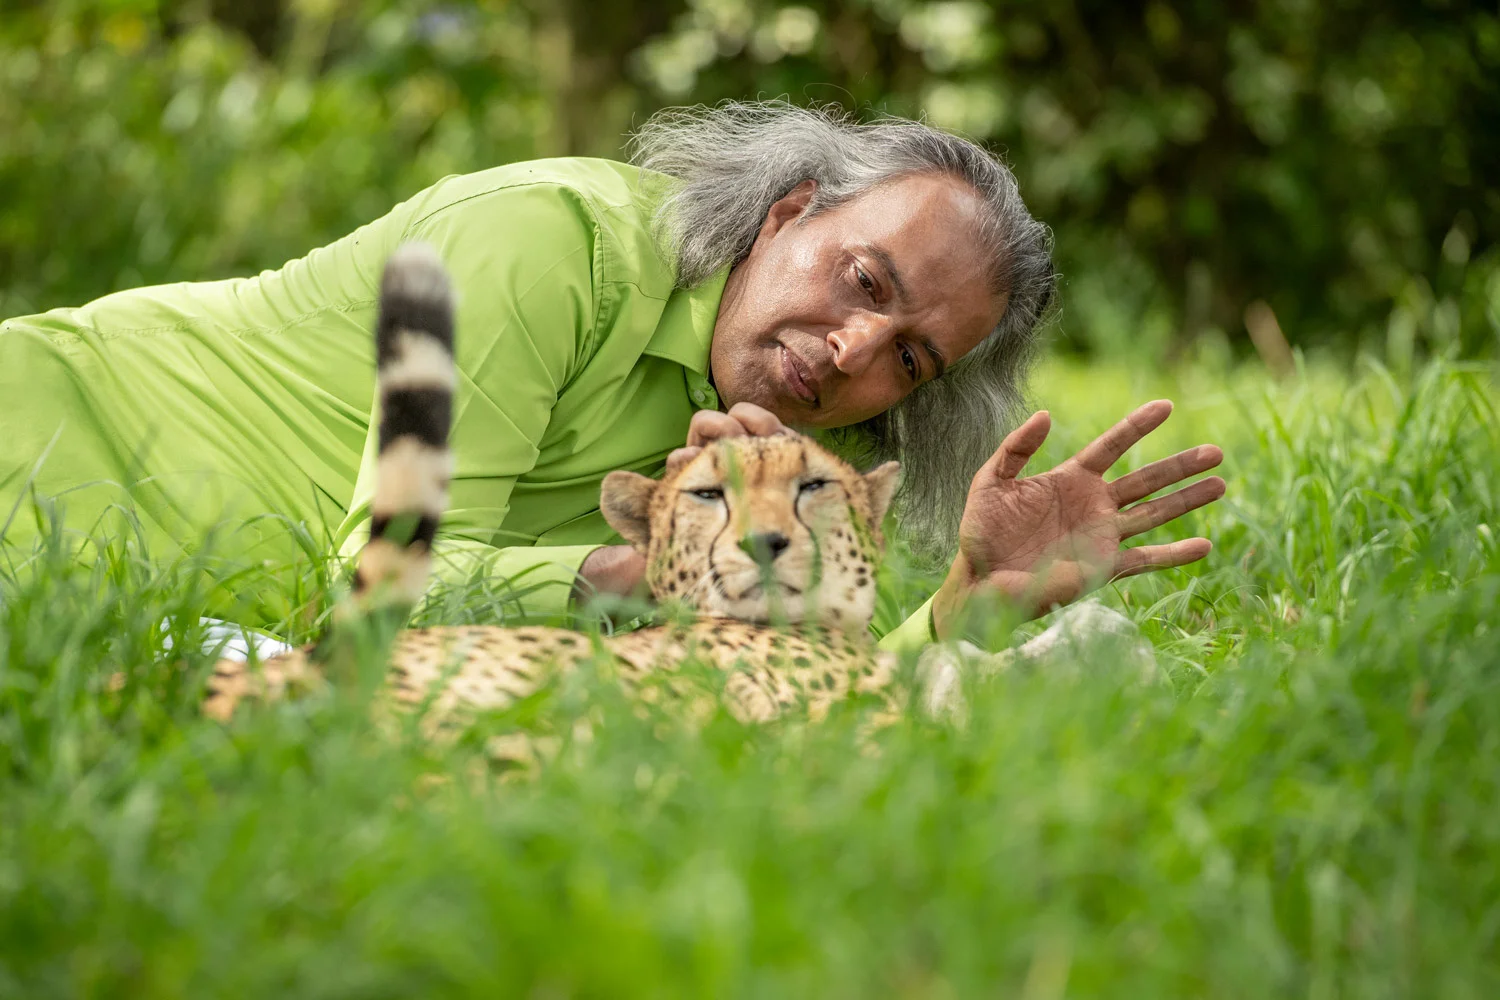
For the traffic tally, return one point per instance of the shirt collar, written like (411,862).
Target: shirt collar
(685,332)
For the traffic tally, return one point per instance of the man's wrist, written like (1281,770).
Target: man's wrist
(948,602)
(952,605)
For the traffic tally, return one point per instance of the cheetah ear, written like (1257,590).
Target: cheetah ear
(625,499)
(881,482)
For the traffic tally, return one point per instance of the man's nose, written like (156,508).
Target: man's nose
(857,344)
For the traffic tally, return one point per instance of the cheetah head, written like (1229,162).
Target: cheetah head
(760,529)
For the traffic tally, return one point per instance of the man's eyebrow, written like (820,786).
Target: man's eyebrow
(888,265)
(937,357)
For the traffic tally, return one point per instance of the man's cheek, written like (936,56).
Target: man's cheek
(804,261)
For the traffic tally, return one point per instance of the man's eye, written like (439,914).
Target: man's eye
(865,281)
(812,485)
(708,493)
(909,362)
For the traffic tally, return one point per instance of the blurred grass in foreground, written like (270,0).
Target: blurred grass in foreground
(1308,806)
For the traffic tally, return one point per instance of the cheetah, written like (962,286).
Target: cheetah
(771,543)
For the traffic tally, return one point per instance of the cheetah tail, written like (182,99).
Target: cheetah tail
(414,360)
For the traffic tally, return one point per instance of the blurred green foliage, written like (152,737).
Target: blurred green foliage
(1336,161)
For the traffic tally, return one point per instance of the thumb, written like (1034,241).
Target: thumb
(1017,448)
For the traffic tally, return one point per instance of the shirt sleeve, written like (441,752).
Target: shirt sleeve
(912,635)
(524,268)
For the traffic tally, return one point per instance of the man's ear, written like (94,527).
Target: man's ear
(881,482)
(625,499)
(789,207)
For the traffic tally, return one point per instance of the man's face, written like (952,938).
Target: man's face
(834,319)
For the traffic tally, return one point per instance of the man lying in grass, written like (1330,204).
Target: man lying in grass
(757,266)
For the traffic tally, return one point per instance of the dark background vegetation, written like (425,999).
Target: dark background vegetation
(1335,161)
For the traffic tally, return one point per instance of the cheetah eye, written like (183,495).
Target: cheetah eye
(708,493)
(812,485)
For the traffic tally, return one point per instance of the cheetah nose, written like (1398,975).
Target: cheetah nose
(765,546)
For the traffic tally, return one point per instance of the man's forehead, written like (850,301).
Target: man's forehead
(914,202)
(925,229)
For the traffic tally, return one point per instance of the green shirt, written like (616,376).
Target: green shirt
(247,404)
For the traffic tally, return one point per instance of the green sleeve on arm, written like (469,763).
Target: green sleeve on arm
(913,634)
(531,584)
(522,259)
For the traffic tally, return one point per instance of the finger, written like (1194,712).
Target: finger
(681,457)
(758,420)
(1109,446)
(711,425)
(1145,558)
(1154,513)
(1018,447)
(1148,479)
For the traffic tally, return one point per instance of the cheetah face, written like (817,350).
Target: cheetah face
(772,529)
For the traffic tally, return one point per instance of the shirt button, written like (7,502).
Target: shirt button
(699,395)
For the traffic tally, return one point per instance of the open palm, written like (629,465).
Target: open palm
(1048,539)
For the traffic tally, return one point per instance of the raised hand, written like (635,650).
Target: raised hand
(1048,539)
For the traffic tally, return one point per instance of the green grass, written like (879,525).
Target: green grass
(1305,806)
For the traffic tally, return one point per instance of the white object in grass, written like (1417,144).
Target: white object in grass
(229,641)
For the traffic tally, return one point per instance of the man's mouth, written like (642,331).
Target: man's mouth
(799,377)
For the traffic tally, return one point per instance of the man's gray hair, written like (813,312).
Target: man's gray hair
(735,160)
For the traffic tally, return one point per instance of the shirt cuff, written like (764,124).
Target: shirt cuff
(912,635)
